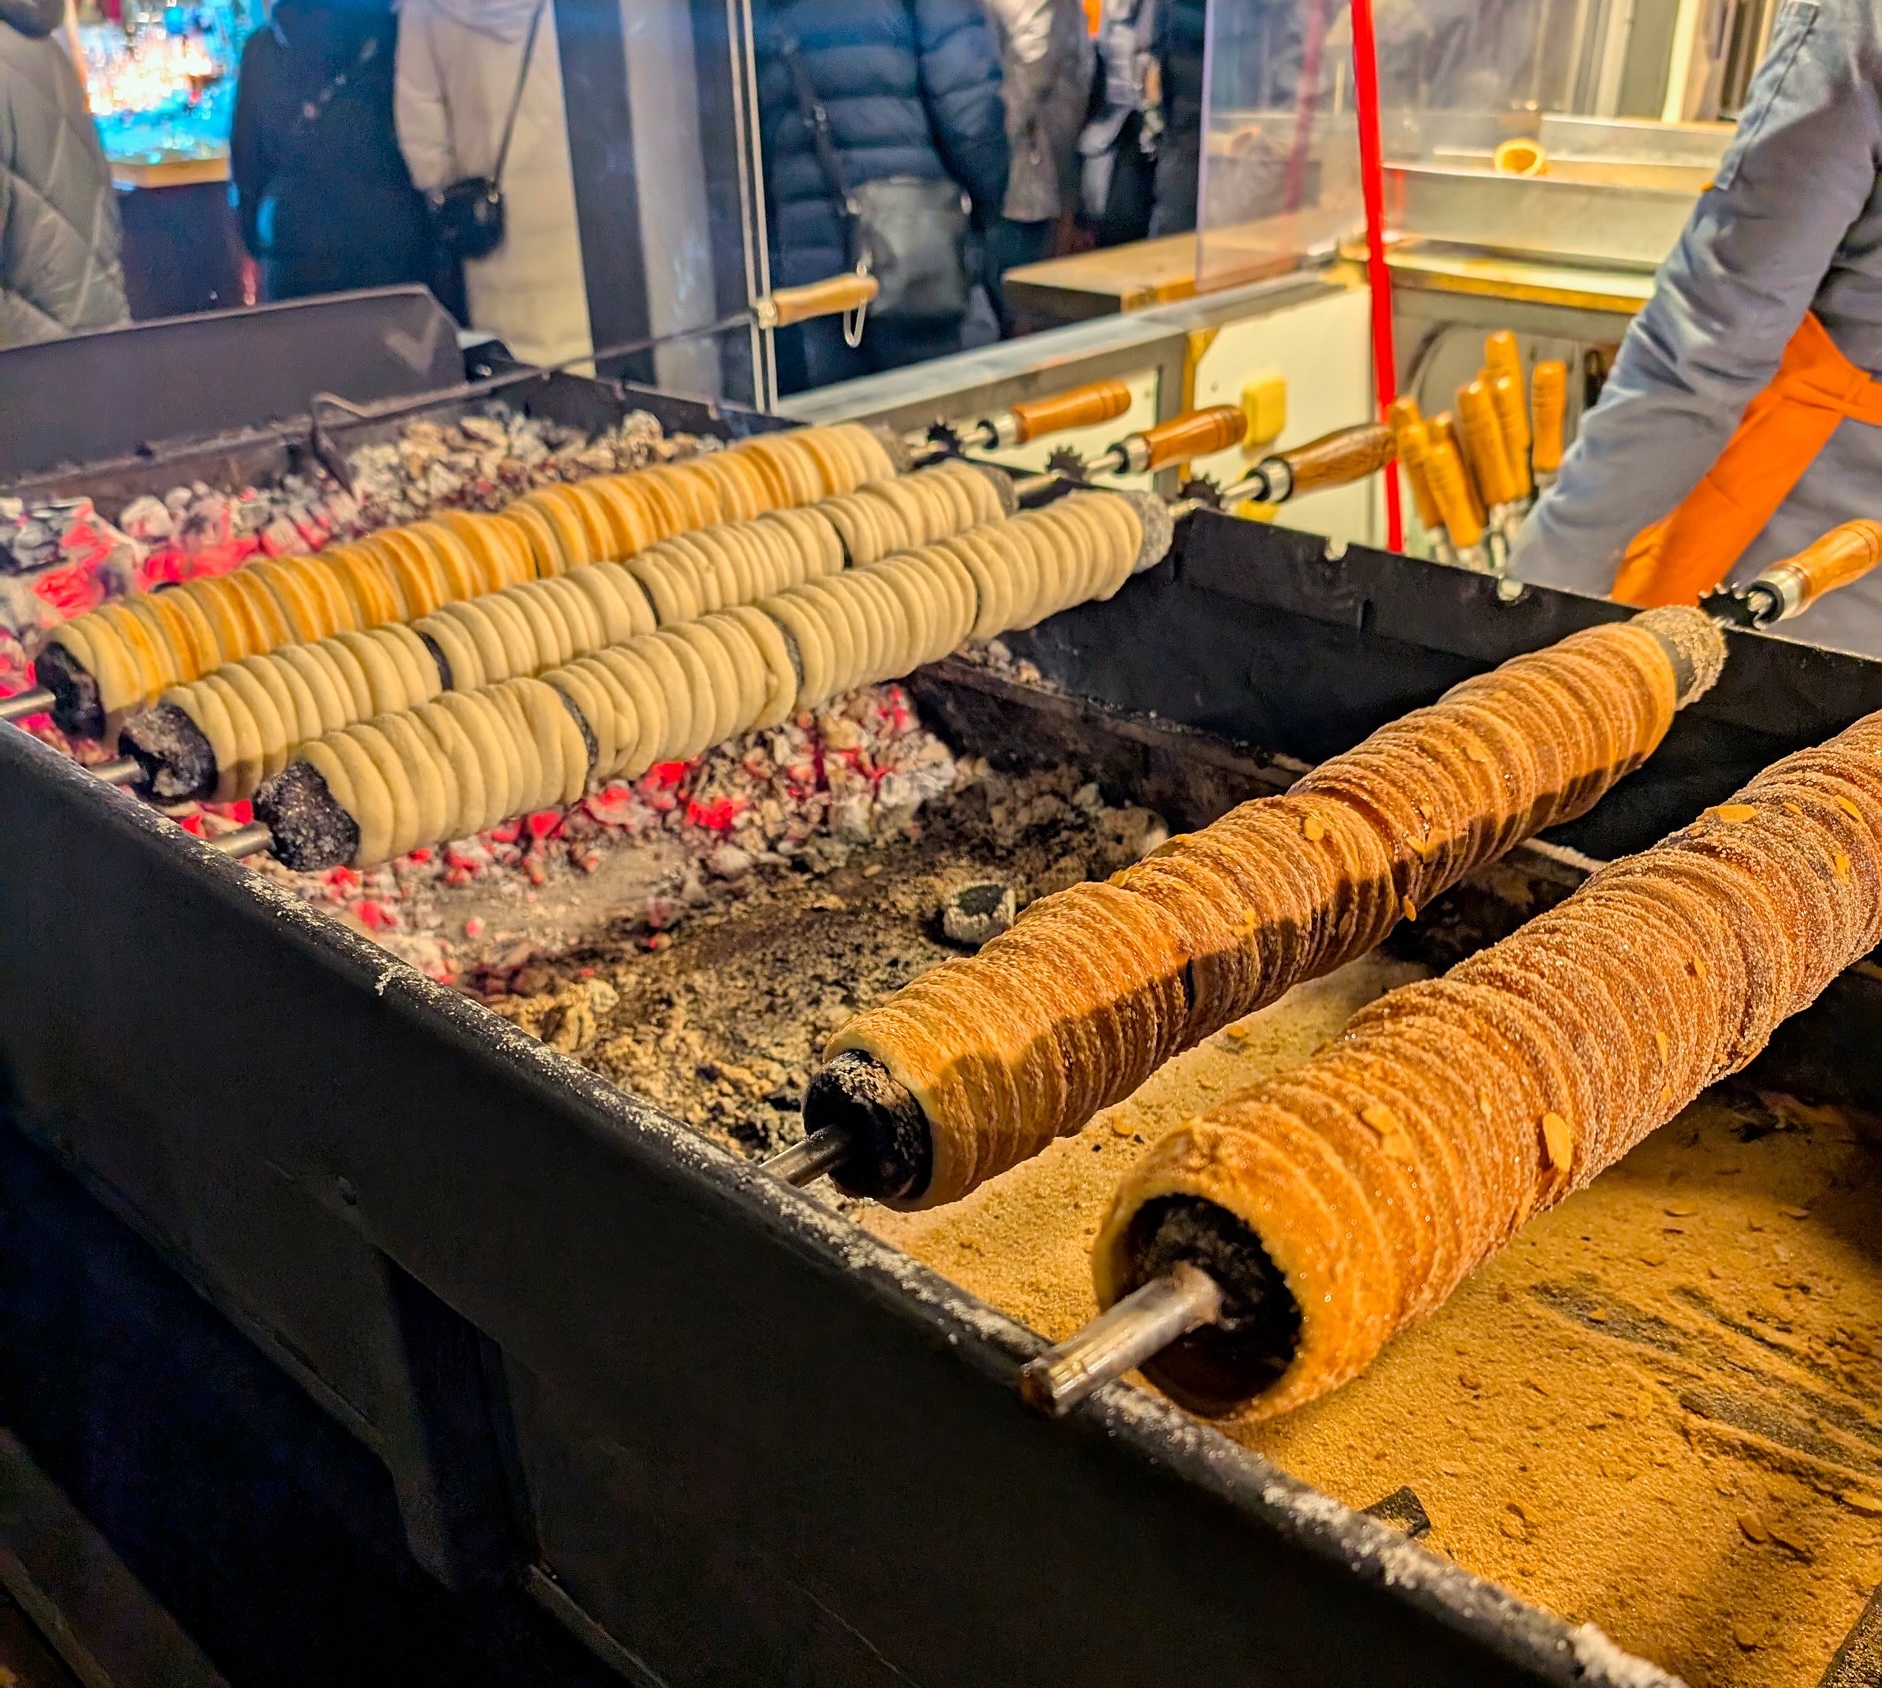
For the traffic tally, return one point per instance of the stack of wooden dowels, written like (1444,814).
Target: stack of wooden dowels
(1474,472)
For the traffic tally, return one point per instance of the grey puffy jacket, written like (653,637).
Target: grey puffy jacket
(59,238)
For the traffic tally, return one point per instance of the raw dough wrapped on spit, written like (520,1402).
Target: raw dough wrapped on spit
(432,765)
(463,642)
(1377,1176)
(132,651)
(1021,1043)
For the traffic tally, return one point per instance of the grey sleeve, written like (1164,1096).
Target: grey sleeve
(1799,171)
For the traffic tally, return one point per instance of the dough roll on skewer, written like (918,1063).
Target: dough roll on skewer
(447,765)
(183,743)
(104,666)
(1346,1199)
(982,1062)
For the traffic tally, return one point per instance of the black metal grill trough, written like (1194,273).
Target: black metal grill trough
(725,1435)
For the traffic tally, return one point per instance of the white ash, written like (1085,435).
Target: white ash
(479,462)
(997,656)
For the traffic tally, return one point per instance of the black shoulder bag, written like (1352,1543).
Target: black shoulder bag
(908,232)
(467,216)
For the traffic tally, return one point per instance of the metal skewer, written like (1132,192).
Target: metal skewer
(1137,1329)
(806,1161)
(22,704)
(249,840)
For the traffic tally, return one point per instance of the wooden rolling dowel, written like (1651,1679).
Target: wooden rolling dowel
(1483,439)
(1336,459)
(1842,556)
(1341,458)
(1199,434)
(786,305)
(1548,404)
(1512,417)
(1082,407)
(1443,429)
(1450,488)
(1502,356)
(1196,433)
(1414,451)
(1348,1198)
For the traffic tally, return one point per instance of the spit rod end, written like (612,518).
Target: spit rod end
(807,1160)
(244,841)
(1137,1329)
(22,704)
(120,770)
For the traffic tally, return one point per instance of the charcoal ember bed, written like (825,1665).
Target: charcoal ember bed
(719,1020)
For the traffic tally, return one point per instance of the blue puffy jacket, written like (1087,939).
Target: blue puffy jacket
(912,88)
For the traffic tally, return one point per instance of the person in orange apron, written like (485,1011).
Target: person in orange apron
(1742,419)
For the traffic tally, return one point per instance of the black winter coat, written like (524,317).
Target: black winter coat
(325,202)
(912,88)
(1179,164)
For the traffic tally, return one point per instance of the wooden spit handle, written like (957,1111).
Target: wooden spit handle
(1340,458)
(1512,420)
(1446,474)
(847,292)
(1483,439)
(1502,356)
(1414,453)
(1549,402)
(1195,435)
(1842,556)
(1443,431)
(1082,407)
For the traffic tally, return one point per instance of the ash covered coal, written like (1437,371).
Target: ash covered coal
(722,1025)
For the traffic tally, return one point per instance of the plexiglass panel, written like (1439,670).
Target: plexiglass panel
(1492,87)
(1280,156)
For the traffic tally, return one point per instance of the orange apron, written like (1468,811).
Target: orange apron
(1686,554)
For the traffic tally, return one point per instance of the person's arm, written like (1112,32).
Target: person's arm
(960,84)
(419,109)
(1735,289)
